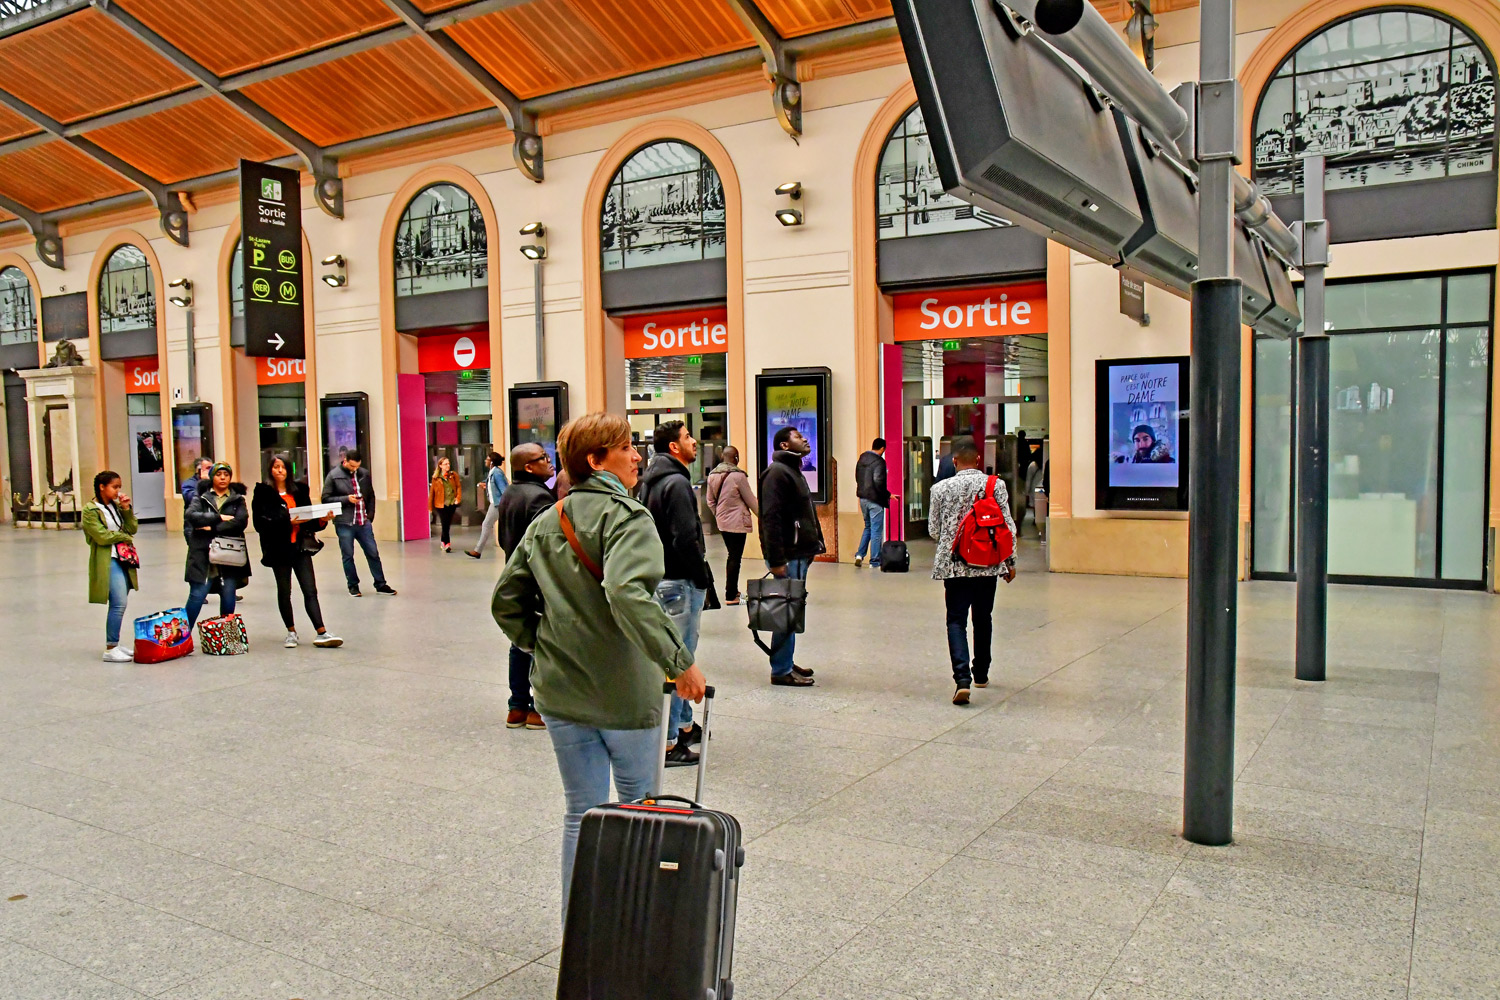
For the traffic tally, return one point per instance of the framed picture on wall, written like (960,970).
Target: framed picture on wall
(1141,433)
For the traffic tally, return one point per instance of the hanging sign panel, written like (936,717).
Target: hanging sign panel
(280,371)
(142,375)
(453,352)
(996,311)
(664,335)
(271,224)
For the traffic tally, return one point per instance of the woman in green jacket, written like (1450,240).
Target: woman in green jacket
(600,643)
(108,522)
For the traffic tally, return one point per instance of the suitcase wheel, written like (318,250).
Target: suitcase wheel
(739,862)
(729,990)
(718,860)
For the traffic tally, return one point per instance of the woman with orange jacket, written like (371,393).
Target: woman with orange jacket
(446,494)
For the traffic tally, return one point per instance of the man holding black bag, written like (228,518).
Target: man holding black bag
(667,492)
(790,537)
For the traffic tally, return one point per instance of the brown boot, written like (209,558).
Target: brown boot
(534,721)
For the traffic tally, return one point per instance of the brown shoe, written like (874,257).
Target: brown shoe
(534,721)
(515,718)
(961,696)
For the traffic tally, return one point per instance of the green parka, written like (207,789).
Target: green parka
(102,548)
(601,651)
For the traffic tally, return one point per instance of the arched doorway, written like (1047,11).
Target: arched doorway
(20,348)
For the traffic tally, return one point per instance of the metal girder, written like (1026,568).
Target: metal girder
(328,187)
(316,57)
(173,214)
(49,246)
(786,92)
(527,147)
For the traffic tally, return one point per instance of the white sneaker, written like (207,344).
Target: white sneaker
(118,654)
(291,641)
(327,640)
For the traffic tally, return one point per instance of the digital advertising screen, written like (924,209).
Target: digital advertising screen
(1141,432)
(798,398)
(538,411)
(345,427)
(192,438)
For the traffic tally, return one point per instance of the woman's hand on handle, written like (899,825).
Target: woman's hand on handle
(691,684)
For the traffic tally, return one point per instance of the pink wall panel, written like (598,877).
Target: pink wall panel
(411,395)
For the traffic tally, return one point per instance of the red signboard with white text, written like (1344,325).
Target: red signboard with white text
(960,313)
(453,352)
(280,371)
(665,335)
(142,375)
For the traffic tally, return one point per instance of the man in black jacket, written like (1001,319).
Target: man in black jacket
(350,485)
(790,537)
(874,498)
(667,491)
(527,499)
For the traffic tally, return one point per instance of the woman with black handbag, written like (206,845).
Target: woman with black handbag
(110,526)
(217,561)
(287,547)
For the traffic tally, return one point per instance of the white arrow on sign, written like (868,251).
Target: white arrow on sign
(276,342)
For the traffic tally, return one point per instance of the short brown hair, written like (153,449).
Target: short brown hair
(591,435)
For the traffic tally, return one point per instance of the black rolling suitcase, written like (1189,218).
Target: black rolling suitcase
(651,909)
(894,558)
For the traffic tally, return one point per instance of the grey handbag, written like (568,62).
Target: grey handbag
(225,551)
(776,604)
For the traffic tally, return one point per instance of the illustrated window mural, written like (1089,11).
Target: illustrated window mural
(441,243)
(237,281)
(17,310)
(665,205)
(1388,96)
(909,195)
(127,292)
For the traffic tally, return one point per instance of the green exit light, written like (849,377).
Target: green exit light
(695,359)
(976,400)
(932,402)
(465,376)
(1028,399)
(950,345)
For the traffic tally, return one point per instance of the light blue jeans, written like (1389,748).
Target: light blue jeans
(874,532)
(585,758)
(683,603)
(119,591)
(785,643)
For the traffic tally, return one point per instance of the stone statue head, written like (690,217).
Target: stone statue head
(65,355)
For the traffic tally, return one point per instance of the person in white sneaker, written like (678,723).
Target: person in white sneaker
(109,526)
(287,547)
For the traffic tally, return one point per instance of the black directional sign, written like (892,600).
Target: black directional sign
(271,227)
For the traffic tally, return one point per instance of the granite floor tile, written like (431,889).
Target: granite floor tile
(820,846)
(270,976)
(1439,972)
(31,974)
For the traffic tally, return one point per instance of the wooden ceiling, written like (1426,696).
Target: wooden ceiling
(81,63)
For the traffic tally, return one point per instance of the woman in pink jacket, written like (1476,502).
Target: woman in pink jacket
(732,502)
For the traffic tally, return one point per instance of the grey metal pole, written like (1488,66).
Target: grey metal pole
(192,360)
(541,323)
(1214,447)
(1312,436)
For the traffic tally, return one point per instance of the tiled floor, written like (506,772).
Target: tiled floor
(358,824)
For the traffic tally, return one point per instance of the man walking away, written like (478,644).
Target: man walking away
(874,498)
(732,502)
(497,484)
(790,537)
(351,485)
(968,590)
(527,499)
(667,492)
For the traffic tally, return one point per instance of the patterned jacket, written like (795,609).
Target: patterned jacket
(950,503)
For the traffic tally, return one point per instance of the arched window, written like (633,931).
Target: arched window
(441,244)
(237,281)
(665,205)
(17,308)
(127,292)
(909,195)
(1388,96)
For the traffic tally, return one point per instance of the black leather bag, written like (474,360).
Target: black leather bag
(775,604)
(894,558)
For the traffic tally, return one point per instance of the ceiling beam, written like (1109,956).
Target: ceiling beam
(786,92)
(527,148)
(328,187)
(316,57)
(49,245)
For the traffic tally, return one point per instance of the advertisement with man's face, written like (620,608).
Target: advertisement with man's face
(1144,403)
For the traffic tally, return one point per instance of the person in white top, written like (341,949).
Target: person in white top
(109,526)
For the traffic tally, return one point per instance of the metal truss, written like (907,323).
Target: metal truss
(781,64)
(48,243)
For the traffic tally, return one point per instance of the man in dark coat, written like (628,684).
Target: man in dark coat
(874,498)
(526,499)
(348,483)
(790,537)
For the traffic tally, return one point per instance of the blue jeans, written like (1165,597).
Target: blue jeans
(683,603)
(119,591)
(365,535)
(785,643)
(874,532)
(198,593)
(585,757)
(965,598)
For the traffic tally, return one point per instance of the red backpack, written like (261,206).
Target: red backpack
(983,538)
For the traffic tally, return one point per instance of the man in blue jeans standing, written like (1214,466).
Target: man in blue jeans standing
(790,537)
(350,485)
(667,491)
(874,498)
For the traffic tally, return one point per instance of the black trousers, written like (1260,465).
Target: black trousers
(445,517)
(970,596)
(734,541)
(302,567)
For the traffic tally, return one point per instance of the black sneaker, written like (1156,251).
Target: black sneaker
(681,756)
(385,588)
(961,696)
(801,671)
(354,592)
(693,738)
(982,682)
(792,679)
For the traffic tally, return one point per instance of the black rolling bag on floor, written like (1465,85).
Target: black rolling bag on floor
(651,909)
(894,557)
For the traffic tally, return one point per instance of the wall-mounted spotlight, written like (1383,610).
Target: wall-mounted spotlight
(790,216)
(181,292)
(339,276)
(537,248)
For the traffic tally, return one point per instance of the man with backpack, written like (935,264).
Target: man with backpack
(969,517)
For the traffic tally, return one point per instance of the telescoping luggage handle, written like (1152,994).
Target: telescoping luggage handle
(668,689)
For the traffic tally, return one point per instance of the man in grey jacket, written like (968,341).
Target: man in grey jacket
(968,590)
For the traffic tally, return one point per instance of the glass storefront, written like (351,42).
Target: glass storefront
(1409,367)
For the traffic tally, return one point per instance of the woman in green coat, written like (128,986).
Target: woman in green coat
(107,522)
